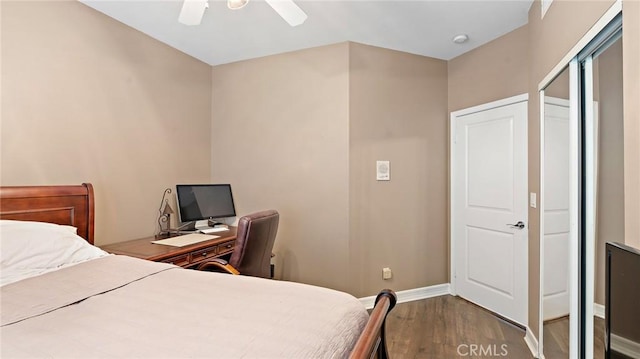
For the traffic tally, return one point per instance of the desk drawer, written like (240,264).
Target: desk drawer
(181,261)
(226,247)
(203,254)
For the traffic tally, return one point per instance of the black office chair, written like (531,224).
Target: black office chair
(251,255)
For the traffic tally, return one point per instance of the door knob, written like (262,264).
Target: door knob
(519,225)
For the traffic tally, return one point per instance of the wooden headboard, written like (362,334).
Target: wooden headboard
(68,205)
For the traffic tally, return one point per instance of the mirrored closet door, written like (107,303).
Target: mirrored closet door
(581,194)
(603,175)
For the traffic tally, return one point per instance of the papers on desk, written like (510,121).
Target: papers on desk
(185,240)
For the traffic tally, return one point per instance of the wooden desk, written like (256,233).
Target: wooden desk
(187,256)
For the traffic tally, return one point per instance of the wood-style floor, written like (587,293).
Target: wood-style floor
(556,338)
(450,327)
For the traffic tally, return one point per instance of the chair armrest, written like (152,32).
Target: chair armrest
(219,265)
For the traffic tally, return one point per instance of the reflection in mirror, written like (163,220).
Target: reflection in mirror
(609,162)
(555,271)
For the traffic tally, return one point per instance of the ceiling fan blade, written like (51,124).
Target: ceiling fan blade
(192,11)
(289,11)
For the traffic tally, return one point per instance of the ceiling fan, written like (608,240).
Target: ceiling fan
(193,10)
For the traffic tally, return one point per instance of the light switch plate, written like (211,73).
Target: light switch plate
(383,171)
(532,200)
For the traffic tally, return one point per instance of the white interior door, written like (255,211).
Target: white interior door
(556,209)
(489,197)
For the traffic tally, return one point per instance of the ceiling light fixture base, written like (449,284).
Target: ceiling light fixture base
(236,4)
(461,39)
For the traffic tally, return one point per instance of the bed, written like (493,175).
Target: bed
(62,297)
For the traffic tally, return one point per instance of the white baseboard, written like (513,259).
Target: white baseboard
(412,294)
(532,342)
(598,310)
(625,346)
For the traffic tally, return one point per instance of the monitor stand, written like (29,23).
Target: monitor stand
(206,224)
(203,224)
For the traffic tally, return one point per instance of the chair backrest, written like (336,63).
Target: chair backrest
(255,237)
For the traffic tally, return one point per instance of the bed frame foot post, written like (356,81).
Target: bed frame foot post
(382,348)
(372,342)
(90,212)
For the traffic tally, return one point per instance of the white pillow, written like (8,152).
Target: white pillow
(31,248)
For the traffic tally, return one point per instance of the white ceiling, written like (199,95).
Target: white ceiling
(423,27)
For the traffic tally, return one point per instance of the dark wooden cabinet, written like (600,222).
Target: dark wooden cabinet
(187,256)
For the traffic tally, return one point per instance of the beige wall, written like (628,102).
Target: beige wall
(397,112)
(88,99)
(300,132)
(280,135)
(559,87)
(490,72)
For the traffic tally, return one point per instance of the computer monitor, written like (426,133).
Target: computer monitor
(198,202)
(622,294)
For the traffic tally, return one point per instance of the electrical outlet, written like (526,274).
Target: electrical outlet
(386,273)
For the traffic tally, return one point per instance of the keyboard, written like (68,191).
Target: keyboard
(213,230)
